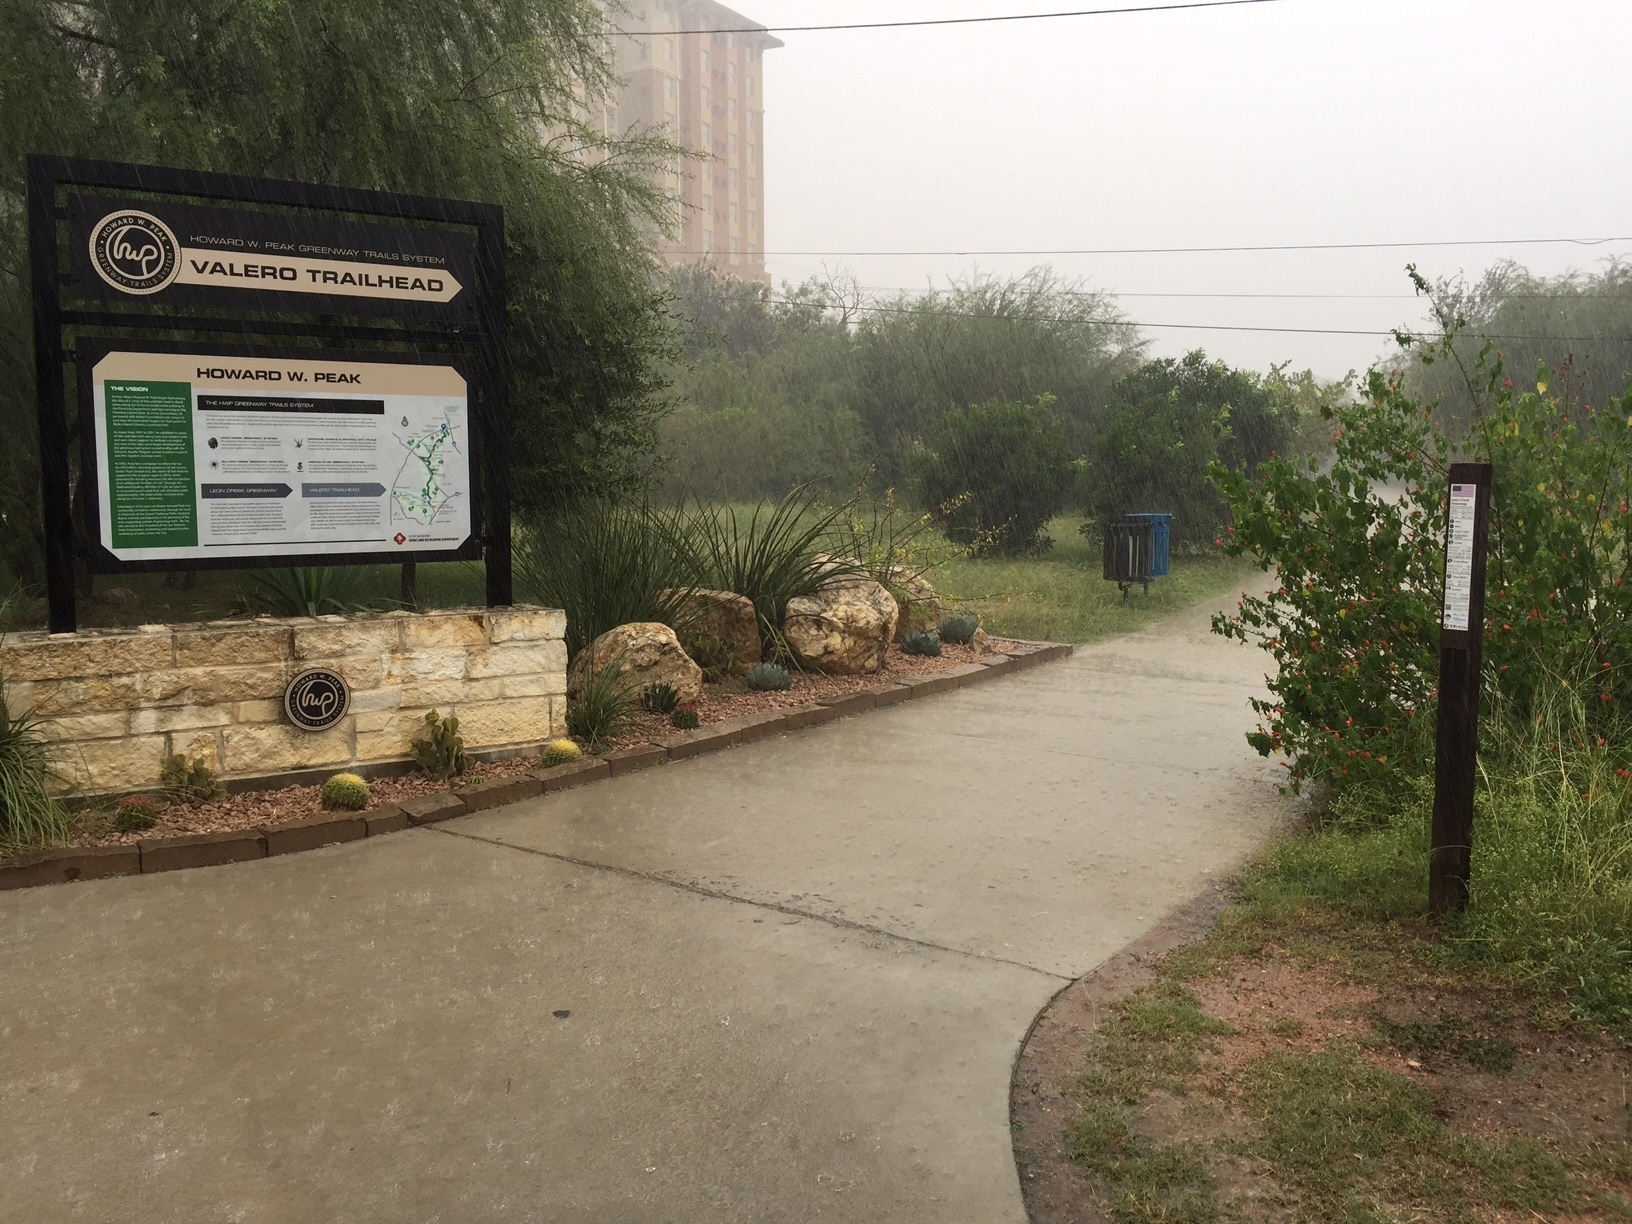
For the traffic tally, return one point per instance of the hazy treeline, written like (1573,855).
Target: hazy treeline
(824,383)
(1580,324)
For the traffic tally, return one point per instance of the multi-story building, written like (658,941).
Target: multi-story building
(693,68)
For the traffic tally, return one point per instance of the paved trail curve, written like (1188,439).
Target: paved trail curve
(794,975)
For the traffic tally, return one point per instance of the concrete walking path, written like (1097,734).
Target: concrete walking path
(784,982)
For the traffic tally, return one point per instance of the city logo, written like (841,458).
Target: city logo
(316,699)
(400,539)
(135,252)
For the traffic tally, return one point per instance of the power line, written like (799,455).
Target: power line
(1232,327)
(952,21)
(1202,250)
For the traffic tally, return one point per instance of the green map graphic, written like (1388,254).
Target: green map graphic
(420,489)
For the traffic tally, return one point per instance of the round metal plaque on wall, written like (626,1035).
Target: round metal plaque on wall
(316,699)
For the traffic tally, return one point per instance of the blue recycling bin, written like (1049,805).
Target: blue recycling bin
(1138,547)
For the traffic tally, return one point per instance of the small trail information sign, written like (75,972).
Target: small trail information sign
(1459,555)
(205,455)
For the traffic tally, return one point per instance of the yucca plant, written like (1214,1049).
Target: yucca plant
(599,710)
(769,555)
(315,590)
(606,563)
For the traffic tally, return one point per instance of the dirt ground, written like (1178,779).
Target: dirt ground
(1529,1108)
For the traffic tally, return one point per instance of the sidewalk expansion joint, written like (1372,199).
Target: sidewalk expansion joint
(715,894)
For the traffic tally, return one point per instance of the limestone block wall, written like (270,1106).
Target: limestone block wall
(119,702)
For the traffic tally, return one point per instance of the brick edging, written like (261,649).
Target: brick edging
(329,828)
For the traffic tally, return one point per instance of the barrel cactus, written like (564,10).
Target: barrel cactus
(921,643)
(684,718)
(768,678)
(959,628)
(346,792)
(136,814)
(561,752)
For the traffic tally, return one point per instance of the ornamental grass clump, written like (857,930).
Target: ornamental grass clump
(345,792)
(29,815)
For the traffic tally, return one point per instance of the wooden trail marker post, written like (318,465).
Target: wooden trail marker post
(1461,657)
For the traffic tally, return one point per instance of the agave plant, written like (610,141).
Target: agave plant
(768,678)
(921,643)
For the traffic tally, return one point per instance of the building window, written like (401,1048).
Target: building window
(733,248)
(753,185)
(733,180)
(750,83)
(753,219)
(704,62)
(731,140)
(708,240)
(705,97)
(668,50)
(731,109)
(611,119)
(753,121)
(708,203)
(733,214)
(730,74)
(668,87)
(708,135)
(751,152)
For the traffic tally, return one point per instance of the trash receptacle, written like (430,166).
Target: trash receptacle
(1137,549)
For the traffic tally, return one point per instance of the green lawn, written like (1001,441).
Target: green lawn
(1061,596)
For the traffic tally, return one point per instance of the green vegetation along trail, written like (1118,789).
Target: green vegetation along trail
(784,982)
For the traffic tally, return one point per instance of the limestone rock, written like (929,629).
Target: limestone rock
(721,630)
(651,655)
(844,627)
(919,606)
(981,643)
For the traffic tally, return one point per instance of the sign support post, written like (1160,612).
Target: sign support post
(1461,658)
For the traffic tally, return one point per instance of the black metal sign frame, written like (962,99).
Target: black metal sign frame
(353,305)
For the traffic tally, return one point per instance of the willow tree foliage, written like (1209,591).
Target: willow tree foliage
(475,99)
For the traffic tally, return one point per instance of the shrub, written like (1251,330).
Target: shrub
(927,644)
(685,719)
(561,752)
(439,750)
(29,815)
(345,792)
(768,678)
(996,473)
(709,653)
(189,782)
(959,628)
(1353,618)
(136,814)
(601,707)
(659,698)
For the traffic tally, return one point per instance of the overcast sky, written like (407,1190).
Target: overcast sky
(1286,122)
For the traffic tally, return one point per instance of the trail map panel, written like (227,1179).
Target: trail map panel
(205,456)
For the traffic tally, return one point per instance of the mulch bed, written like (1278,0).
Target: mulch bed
(251,809)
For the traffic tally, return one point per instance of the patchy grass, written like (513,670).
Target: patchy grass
(1061,596)
(1324,1054)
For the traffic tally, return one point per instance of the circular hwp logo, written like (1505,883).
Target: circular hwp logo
(316,699)
(134,252)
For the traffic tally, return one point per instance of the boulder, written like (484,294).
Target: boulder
(721,630)
(651,655)
(981,644)
(844,627)
(919,608)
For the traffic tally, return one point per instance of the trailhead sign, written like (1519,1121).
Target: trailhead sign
(264,373)
(221,456)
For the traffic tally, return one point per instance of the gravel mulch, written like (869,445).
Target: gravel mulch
(252,809)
